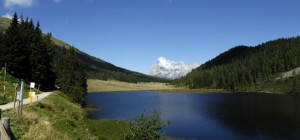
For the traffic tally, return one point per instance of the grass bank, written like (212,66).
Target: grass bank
(113,86)
(55,117)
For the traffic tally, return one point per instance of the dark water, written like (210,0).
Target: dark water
(208,116)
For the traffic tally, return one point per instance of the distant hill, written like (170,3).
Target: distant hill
(97,68)
(4,23)
(245,68)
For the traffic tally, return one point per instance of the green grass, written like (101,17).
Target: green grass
(56,117)
(112,86)
(60,43)
(108,129)
(4,23)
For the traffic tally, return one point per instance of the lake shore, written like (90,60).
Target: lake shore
(197,91)
(117,86)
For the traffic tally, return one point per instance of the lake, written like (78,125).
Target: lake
(207,116)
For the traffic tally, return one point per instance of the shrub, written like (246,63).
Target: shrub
(145,128)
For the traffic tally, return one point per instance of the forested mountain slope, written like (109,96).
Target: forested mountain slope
(246,68)
(96,68)
(99,69)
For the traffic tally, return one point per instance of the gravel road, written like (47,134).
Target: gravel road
(26,101)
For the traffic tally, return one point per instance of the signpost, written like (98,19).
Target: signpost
(20,98)
(31,93)
(32,85)
(16,86)
(19,95)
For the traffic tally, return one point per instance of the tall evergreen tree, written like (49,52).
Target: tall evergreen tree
(2,47)
(11,51)
(71,77)
(48,51)
(27,52)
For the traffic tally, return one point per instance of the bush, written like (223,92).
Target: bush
(145,128)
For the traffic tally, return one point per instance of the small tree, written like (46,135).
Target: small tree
(145,128)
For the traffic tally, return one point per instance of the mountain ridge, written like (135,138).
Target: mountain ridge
(97,68)
(245,68)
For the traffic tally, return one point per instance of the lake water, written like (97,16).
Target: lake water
(207,116)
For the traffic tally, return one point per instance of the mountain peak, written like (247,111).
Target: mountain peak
(165,68)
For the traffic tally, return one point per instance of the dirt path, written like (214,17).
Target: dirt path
(26,101)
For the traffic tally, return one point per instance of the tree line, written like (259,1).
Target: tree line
(31,55)
(243,66)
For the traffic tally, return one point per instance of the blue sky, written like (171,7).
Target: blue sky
(133,34)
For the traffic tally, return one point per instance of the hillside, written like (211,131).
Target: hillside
(95,67)
(57,118)
(245,68)
(4,23)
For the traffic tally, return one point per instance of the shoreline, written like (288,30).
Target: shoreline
(183,91)
(111,86)
(190,91)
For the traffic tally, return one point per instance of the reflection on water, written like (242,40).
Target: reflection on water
(208,116)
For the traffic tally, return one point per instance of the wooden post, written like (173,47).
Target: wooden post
(0,113)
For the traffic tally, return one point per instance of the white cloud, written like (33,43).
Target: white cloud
(19,3)
(23,3)
(171,69)
(8,15)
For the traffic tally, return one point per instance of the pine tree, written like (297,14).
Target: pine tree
(48,49)
(27,52)
(11,43)
(71,77)
(2,48)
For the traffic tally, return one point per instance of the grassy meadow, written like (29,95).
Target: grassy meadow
(112,86)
